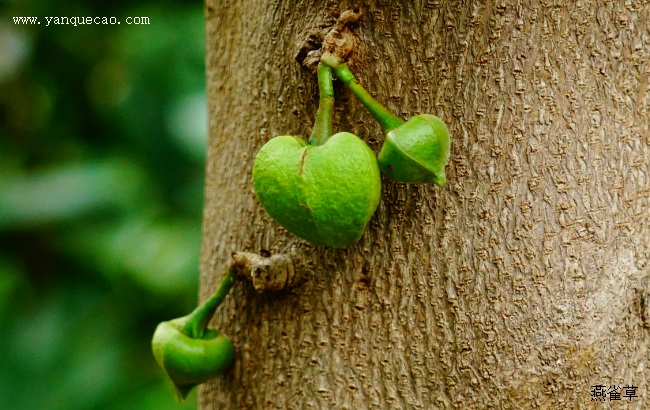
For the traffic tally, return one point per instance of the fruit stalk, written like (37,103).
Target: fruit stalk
(387,120)
(198,320)
(323,123)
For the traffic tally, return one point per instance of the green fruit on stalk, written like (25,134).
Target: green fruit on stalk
(415,151)
(188,351)
(190,361)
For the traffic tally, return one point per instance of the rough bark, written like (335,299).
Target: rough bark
(520,284)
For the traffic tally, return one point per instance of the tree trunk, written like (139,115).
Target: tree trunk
(520,284)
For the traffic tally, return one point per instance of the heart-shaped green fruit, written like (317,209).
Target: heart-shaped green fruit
(416,151)
(325,194)
(190,361)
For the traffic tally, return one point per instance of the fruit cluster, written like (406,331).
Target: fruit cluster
(326,191)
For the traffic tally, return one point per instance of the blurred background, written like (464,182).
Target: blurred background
(102,145)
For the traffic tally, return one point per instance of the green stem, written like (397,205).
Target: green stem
(200,317)
(323,124)
(383,115)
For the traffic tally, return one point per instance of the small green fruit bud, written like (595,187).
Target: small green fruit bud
(187,350)
(416,151)
(187,361)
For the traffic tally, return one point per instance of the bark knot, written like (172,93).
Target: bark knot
(337,40)
(266,272)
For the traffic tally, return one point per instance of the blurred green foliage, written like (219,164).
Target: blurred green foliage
(102,136)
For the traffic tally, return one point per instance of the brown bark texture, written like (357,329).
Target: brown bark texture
(520,284)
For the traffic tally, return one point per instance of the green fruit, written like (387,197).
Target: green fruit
(325,194)
(187,350)
(416,151)
(190,361)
